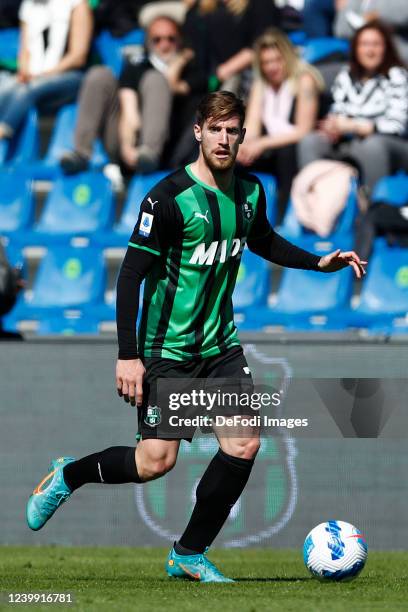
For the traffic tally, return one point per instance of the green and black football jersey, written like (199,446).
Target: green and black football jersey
(198,234)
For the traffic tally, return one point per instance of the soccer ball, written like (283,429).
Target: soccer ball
(335,551)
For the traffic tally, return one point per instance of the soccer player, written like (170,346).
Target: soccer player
(187,244)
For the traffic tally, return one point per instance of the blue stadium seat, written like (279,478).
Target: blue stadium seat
(68,323)
(14,253)
(68,277)
(305,292)
(62,140)
(9,322)
(111,48)
(76,206)
(269,185)
(106,311)
(122,230)
(23,148)
(16,201)
(297,38)
(344,227)
(391,190)
(309,300)
(395,327)
(3,151)
(9,43)
(384,295)
(252,287)
(319,49)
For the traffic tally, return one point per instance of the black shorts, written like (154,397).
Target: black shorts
(229,368)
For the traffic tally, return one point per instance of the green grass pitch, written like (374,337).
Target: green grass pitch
(133,579)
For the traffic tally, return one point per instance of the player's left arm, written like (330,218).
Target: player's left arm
(266,243)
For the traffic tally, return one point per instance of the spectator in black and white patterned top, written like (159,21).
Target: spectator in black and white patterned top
(368,120)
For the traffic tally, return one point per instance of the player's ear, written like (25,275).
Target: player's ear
(197,132)
(243,132)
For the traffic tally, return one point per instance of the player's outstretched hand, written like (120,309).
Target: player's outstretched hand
(338,260)
(129,380)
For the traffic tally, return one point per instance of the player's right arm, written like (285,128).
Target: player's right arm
(156,226)
(129,367)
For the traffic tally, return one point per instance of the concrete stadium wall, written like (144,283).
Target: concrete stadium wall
(59,398)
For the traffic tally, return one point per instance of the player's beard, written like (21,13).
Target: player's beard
(218,165)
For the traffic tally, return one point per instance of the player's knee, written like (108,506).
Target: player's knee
(163,465)
(245,448)
(154,467)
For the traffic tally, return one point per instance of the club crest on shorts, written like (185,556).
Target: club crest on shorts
(247,210)
(153,416)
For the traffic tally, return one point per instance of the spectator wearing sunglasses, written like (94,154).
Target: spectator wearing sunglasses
(132,115)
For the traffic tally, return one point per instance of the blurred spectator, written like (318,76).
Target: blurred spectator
(117,17)
(290,14)
(283,107)
(11,283)
(55,39)
(222,34)
(9,13)
(368,121)
(318,17)
(133,116)
(353,14)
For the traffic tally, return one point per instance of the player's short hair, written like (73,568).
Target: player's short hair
(220,106)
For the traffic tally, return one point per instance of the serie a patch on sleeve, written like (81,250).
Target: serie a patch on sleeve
(146,223)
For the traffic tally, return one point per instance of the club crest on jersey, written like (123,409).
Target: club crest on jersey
(146,223)
(153,416)
(247,210)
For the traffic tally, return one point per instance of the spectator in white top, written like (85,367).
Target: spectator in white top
(282,108)
(368,121)
(55,39)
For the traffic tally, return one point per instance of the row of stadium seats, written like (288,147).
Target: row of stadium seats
(23,149)
(74,279)
(80,206)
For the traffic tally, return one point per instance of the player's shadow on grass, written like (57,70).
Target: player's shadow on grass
(275,579)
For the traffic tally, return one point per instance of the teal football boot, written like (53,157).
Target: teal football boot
(48,495)
(193,567)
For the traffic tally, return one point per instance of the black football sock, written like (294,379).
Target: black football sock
(181,550)
(218,490)
(115,465)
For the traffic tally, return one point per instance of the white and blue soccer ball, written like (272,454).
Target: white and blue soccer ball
(335,551)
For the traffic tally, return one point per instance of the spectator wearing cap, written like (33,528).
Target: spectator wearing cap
(132,116)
